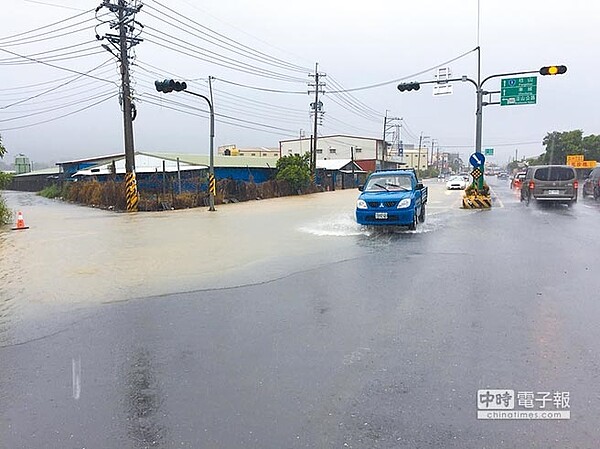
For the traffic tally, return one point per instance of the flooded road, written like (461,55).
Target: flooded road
(336,336)
(73,256)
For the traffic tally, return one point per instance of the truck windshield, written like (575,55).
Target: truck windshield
(389,183)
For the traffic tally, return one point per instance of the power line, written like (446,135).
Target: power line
(61,116)
(53,4)
(266,113)
(54,108)
(353,99)
(8,61)
(237,125)
(35,86)
(246,68)
(223,44)
(262,89)
(53,97)
(46,26)
(404,78)
(55,66)
(249,122)
(237,43)
(81,74)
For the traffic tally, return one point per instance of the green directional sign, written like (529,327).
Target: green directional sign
(516,91)
(489,152)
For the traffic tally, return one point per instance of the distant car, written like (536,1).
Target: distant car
(591,186)
(456,182)
(550,183)
(517,180)
(502,175)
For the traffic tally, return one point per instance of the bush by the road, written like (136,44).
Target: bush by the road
(111,194)
(5,212)
(294,169)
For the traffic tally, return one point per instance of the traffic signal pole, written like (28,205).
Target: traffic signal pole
(212,182)
(168,86)
(480,93)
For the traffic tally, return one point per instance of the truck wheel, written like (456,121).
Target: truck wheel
(422,215)
(413,225)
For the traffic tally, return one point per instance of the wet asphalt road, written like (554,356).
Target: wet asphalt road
(384,349)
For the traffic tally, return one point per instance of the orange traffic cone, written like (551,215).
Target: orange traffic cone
(20,222)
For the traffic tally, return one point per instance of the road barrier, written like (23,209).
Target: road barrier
(477,202)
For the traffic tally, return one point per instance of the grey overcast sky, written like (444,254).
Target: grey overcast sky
(355,43)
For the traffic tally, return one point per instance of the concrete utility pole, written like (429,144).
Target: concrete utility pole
(122,42)
(317,108)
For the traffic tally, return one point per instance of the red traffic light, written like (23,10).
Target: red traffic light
(408,86)
(553,70)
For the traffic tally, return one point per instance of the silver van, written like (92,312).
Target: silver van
(555,183)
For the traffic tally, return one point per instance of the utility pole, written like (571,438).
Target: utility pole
(317,108)
(389,123)
(419,157)
(384,149)
(123,42)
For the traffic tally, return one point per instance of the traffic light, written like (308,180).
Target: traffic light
(408,86)
(167,86)
(553,70)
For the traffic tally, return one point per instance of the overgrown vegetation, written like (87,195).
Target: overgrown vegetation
(110,194)
(5,213)
(54,191)
(294,169)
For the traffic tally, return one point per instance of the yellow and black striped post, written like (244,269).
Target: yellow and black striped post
(477,202)
(212,185)
(131,192)
(212,191)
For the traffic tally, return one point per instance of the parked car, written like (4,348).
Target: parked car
(392,198)
(591,186)
(556,183)
(456,182)
(517,180)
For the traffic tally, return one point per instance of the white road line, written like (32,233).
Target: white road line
(497,197)
(76,364)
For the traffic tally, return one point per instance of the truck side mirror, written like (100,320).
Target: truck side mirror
(419,186)
(361,187)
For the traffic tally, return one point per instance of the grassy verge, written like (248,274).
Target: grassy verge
(54,191)
(5,212)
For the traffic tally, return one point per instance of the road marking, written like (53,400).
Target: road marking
(76,365)
(497,197)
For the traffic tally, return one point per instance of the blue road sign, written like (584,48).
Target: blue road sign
(477,159)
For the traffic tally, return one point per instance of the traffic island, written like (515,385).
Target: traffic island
(477,199)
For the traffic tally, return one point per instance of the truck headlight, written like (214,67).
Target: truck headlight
(361,204)
(404,203)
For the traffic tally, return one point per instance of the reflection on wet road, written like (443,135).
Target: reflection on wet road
(299,329)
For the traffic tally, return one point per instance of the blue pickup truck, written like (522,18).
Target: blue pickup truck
(392,198)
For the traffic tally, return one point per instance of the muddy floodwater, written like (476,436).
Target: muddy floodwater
(72,256)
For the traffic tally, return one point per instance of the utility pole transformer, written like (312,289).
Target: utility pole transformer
(122,42)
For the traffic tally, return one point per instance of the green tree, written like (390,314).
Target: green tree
(591,147)
(560,144)
(294,169)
